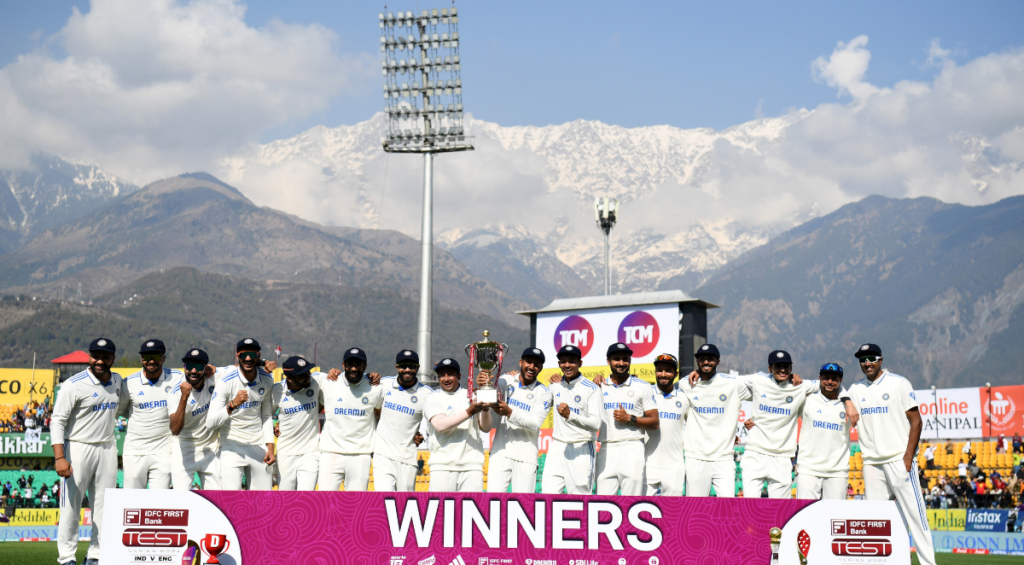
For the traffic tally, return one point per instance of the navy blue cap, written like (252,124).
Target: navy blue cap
(570,350)
(448,363)
(619,348)
(868,349)
(779,356)
(707,349)
(196,356)
(247,344)
(533,352)
(831,369)
(296,366)
(102,345)
(153,346)
(407,356)
(354,353)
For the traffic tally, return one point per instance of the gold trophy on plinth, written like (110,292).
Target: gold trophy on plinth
(485,357)
(775,535)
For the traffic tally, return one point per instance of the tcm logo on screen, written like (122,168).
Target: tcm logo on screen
(146,537)
(577,332)
(640,332)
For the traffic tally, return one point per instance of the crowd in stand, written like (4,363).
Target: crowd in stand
(33,415)
(973,487)
(26,492)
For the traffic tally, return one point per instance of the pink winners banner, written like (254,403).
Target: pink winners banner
(488,529)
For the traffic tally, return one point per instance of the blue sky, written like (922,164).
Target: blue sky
(707,64)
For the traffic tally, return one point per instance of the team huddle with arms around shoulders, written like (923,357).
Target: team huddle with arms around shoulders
(613,435)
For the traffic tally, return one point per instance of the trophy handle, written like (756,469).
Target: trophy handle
(468,348)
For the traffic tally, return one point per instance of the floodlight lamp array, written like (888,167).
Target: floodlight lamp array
(606,211)
(423,82)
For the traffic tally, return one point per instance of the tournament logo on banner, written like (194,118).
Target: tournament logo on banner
(846,532)
(1002,409)
(577,332)
(640,332)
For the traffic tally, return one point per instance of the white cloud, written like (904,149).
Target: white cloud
(936,54)
(151,88)
(845,69)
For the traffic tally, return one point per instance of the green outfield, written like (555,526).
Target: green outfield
(45,553)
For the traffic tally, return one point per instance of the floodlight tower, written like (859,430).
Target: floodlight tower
(424,116)
(606,210)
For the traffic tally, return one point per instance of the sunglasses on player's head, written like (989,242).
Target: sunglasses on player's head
(869,359)
(194,367)
(152,357)
(248,355)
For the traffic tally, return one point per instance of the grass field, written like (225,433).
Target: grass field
(45,553)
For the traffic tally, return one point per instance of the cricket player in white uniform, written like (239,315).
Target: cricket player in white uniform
(520,412)
(297,401)
(147,445)
(711,426)
(666,466)
(628,411)
(195,447)
(242,408)
(823,462)
(351,408)
(84,449)
(394,448)
(890,429)
(577,400)
(456,445)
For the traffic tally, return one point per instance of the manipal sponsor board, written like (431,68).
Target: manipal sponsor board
(950,413)
(846,532)
(648,331)
(165,526)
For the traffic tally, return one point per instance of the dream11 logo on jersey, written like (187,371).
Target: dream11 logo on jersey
(577,332)
(640,332)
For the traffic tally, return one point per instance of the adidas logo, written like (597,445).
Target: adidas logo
(764,396)
(457,561)
(95,394)
(142,393)
(341,399)
(449,407)
(819,411)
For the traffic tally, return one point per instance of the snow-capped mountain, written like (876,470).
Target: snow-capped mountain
(526,195)
(50,193)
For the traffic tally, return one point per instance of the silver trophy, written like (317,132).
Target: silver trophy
(485,358)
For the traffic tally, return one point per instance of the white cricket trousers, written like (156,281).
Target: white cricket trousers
(774,470)
(298,472)
(502,472)
(187,460)
(93,469)
(569,466)
(352,469)
(887,479)
(702,475)
(457,481)
(669,482)
(153,469)
(240,459)
(810,487)
(620,468)
(391,476)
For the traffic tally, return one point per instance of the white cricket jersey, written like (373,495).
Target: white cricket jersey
(145,405)
(775,410)
(350,424)
(714,412)
(460,448)
(400,416)
(86,409)
(824,438)
(194,430)
(664,447)
(583,398)
(252,423)
(635,397)
(883,428)
(298,417)
(516,434)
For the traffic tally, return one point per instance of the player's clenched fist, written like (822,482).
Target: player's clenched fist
(63,468)
(563,410)
(186,389)
(240,399)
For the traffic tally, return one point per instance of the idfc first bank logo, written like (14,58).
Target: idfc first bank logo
(640,332)
(575,331)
